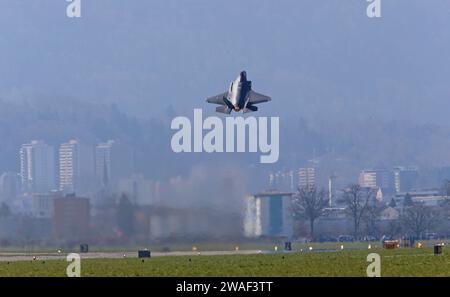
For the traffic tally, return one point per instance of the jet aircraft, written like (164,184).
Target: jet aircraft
(239,97)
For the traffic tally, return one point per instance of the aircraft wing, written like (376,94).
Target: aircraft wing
(256,98)
(218,99)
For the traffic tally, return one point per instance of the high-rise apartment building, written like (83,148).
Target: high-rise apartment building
(37,167)
(76,167)
(368,178)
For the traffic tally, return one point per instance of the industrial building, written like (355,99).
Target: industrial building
(268,214)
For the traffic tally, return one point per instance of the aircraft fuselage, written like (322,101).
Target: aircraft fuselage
(238,93)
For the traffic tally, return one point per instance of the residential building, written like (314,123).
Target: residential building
(377,178)
(37,167)
(76,167)
(41,204)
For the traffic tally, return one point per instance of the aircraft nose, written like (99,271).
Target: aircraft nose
(243,75)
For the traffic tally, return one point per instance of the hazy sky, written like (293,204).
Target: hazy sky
(320,59)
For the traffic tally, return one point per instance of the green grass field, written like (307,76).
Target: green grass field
(399,262)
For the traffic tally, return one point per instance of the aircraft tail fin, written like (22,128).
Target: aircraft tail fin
(223,109)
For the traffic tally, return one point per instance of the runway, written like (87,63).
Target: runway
(13,257)
(21,256)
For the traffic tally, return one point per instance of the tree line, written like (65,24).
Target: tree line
(362,207)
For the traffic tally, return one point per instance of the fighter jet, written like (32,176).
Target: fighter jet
(240,97)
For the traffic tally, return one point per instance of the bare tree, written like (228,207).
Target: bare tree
(370,217)
(125,216)
(418,218)
(356,199)
(309,205)
(393,228)
(445,188)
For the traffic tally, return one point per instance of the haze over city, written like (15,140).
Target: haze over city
(352,94)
